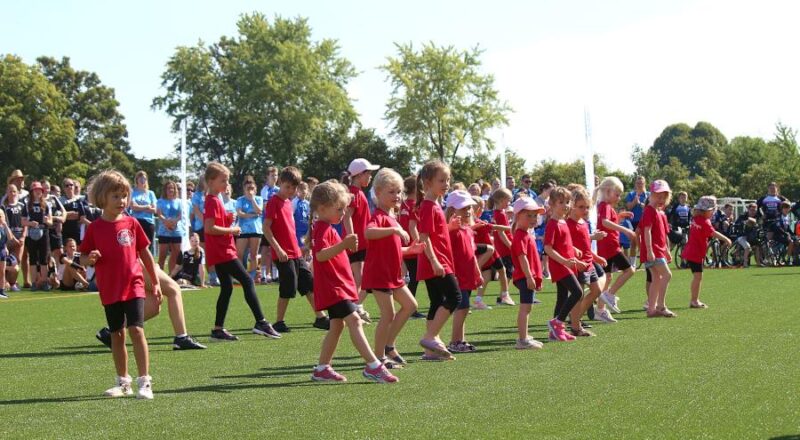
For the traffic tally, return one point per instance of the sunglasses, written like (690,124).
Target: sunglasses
(69,185)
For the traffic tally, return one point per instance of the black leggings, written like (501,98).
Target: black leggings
(38,250)
(411,265)
(443,292)
(149,231)
(226,271)
(569,292)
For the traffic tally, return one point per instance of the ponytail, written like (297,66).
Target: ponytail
(419,193)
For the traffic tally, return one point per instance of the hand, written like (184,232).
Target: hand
(625,214)
(531,283)
(235,230)
(651,256)
(282,257)
(580,266)
(602,261)
(631,236)
(403,235)
(417,248)
(598,235)
(93,257)
(33,224)
(728,242)
(455,223)
(157,293)
(578,253)
(351,242)
(669,258)
(438,269)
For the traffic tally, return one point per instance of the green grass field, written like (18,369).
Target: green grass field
(729,372)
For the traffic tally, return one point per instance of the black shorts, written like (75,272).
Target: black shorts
(200,233)
(294,277)
(508,263)
(125,314)
(464,304)
(342,309)
(386,291)
(525,294)
(590,275)
(619,262)
(264,242)
(497,264)
(56,242)
(64,287)
(184,276)
(480,249)
(649,278)
(169,240)
(358,256)
(248,236)
(695,267)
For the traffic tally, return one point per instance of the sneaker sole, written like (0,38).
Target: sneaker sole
(263,333)
(377,379)
(177,347)
(611,305)
(323,380)
(213,339)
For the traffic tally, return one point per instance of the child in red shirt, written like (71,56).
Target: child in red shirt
(594,275)
(335,286)
(527,266)
(113,244)
(435,264)
(499,202)
(467,269)
(359,173)
(655,249)
(564,263)
(279,230)
(408,221)
(488,259)
(383,274)
(700,231)
(221,253)
(608,194)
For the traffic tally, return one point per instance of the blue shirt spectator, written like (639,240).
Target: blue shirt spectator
(302,211)
(198,201)
(143,197)
(250,225)
(171,210)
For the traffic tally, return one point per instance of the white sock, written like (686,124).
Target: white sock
(319,368)
(374,365)
(181,336)
(504,294)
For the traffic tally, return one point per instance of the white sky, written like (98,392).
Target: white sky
(637,66)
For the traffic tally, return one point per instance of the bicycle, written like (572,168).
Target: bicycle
(680,239)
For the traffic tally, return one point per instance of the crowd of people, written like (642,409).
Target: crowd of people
(369,232)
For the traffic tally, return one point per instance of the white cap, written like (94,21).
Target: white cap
(527,204)
(459,199)
(358,166)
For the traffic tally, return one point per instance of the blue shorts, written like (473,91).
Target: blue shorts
(525,295)
(464,304)
(656,262)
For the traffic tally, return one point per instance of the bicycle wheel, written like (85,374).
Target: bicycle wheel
(711,255)
(736,255)
(677,259)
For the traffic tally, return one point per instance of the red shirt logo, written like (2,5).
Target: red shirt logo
(125,237)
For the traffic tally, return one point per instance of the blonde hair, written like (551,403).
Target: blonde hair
(607,184)
(387,177)
(106,183)
(142,173)
(499,195)
(458,186)
(560,194)
(427,173)
(214,169)
(579,193)
(328,193)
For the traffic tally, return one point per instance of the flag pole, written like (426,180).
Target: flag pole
(502,160)
(185,223)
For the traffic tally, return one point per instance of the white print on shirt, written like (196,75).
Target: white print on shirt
(125,237)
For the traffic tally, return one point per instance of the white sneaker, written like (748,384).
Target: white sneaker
(79,286)
(605,316)
(480,305)
(121,389)
(528,344)
(145,388)
(364,315)
(506,300)
(610,301)
(645,306)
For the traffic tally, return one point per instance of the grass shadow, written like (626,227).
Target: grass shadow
(51,400)
(50,354)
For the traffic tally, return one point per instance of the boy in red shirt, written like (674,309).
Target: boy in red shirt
(696,248)
(280,232)
(113,244)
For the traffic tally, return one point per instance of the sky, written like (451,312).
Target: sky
(634,66)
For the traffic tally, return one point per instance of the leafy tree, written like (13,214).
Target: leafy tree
(482,165)
(441,101)
(696,148)
(565,173)
(35,133)
(258,99)
(327,159)
(100,131)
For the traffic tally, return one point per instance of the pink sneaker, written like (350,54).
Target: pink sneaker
(380,375)
(327,375)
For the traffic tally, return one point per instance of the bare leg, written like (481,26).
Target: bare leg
(310,299)
(140,350)
(162,254)
(283,304)
(408,305)
(459,320)
(330,342)
(522,321)
(697,279)
(386,306)
(119,352)
(358,338)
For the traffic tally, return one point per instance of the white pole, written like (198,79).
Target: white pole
(186,224)
(588,166)
(502,161)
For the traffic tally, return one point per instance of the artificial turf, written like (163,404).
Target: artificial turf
(728,372)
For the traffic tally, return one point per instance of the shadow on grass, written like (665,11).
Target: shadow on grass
(786,437)
(67,351)
(52,400)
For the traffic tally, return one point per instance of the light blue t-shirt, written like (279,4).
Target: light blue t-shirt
(251,225)
(230,206)
(637,210)
(199,201)
(171,209)
(143,198)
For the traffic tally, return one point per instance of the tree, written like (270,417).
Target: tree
(258,99)
(441,102)
(35,133)
(100,131)
(696,148)
(482,165)
(565,173)
(327,159)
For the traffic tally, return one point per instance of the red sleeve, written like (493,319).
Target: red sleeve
(212,210)
(87,244)
(603,213)
(272,211)
(373,222)
(709,228)
(648,217)
(142,242)
(518,247)
(426,223)
(550,232)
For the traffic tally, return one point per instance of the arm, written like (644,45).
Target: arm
(273,242)
(412,230)
(496,227)
(176,270)
(375,233)
(558,258)
(648,241)
(718,235)
(438,270)
(210,228)
(350,241)
(347,221)
(150,267)
(633,203)
(619,228)
(504,238)
(523,263)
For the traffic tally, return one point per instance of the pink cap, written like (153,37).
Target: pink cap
(527,204)
(659,186)
(459,199)
(36,185)
(358,166)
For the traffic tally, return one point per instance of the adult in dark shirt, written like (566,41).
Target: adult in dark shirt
(74,206)
(680,216)
(58,215)
(747,234)
(769,206)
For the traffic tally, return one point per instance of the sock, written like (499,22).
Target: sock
(321,367)
(181,336)
(374,365)
(479,298)
(504,293)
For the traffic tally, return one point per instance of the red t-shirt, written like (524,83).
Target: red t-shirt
(433,223)
(579,232)
(500,218)
(524,244)
(483,235)
(463,243)
(333,279)
(360,216)
(282,215)
(118,272)
(383,263)
(556,234)
(699,233)
(609,246)
(219,248)
(408,212)
(659,225)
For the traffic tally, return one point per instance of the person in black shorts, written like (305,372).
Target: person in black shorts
(188,271)
(38,218)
